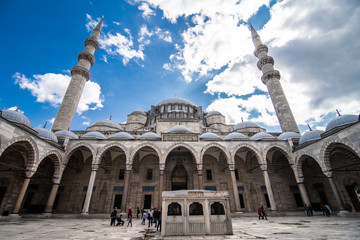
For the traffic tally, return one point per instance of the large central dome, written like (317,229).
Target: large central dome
(175,100)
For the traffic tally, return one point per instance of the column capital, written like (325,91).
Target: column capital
(231,167)
(94,167)
(263,167)
(199,166)
(128,167)
(162,166)
(328,174)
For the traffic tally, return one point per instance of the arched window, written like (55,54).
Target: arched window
(174,209)
(196,209)
(217,209)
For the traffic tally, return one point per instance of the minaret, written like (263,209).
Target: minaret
(271,78)
(80,74)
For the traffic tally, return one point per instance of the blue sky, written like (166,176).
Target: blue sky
(155,49)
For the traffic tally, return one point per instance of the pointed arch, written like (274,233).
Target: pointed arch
(185,145)
(138,147)
(56,157)
(299,162)
(107,147)
(32,148)
(219,146)
(75,147)
(251,147)
(284,151)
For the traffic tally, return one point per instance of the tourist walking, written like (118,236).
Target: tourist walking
(327,210)
(130,220)
(264,213)
(159,222)
(150,218)
(260,213)
(137,212)
(113,216)
(143,218)
(156,216)
(307,210)
(129,212)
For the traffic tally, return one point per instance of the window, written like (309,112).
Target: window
(208,174)
(122,174)
(217,209)
(196,209)
(174,209)
(149,174)
(236,174)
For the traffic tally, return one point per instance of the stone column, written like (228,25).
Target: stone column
(303,193)
(207,216)
(89,191)
(268,187)
(235,188)
(21,195)
(126,188)
(336,193)
(51,199)
(200,179)
(161,187)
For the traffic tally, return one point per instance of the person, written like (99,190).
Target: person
(120,221)
(327,210)
(323,209)
(265,213)
(137,212)
(307,210)
(156,216)
(260,213)
(143,218)
(130,220)
(159,221)
(113,217)
(129,212)
(150,216)
(311,210)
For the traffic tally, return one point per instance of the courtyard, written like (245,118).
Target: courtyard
(300,227)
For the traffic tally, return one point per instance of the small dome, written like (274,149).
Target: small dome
(122,135)
(150,135)
(46,134)
(211,113)
(243,125)
(109,123)
(179,129)
(15,116)
(138,112)
(288,135)
(235,136)
(262,136)
(310,136)
(209,135)
(341,120)
(66,134)
(95,135)
(175,100)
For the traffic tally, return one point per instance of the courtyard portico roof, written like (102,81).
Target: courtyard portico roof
(341,121)
(96,135)
(16,116)
(109,123)
(209,135)
(150,135)
(175,100)
(262,136)
(122,135)
(235,135)
(46,134)
(289,135)
(66,134)
(310,136)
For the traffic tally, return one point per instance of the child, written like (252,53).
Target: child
(143,218)
(130,220)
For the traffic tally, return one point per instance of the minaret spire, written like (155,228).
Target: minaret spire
(271,78)
(80,74)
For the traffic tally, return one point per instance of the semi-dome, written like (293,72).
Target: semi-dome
(243,125)
(262,136)
(122,135)
(46,134)
(289,135)
(175,100)
(211,113)
(235,136)
(96,135)
(179,129)
(341,121)
(138,112)
(310,136)
(109,123)
(17,117)
(150,135)
(209,135)
(66,134)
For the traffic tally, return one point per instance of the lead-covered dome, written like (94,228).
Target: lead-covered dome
(150,136)
(16,116)
(289,135)
(243,125)
(66,134)
(92,135)
(122,135)
(212,113)
(341,121)
(310,136)
(262,136)
(209,135)
(46,134)
(175,100)
(235,136)
(109,123)
(179,129)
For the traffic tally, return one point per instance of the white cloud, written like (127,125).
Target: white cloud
(116,23)
(147,11)
(50,88)
(145,34)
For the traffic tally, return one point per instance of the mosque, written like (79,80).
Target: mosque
(175,145)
